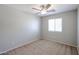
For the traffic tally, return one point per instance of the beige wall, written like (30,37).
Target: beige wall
(17,28)
(69,28)
(78,28)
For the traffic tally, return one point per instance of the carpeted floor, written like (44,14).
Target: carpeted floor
(43,47)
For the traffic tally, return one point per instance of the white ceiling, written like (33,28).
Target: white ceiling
(58,7)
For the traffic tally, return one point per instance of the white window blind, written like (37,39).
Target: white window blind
(55,25)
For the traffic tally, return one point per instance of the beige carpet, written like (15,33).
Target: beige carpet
(44,47)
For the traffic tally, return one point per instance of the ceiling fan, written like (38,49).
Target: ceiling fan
(43,9)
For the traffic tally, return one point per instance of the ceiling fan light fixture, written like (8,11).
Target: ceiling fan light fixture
(45,8)
(43,12)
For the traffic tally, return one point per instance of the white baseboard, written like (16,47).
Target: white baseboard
(19,45)
(70,44)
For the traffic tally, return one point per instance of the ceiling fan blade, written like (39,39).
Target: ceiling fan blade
(37,13)
(48,6)
(36,9)
(53,10)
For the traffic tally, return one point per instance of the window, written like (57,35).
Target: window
(55,25)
